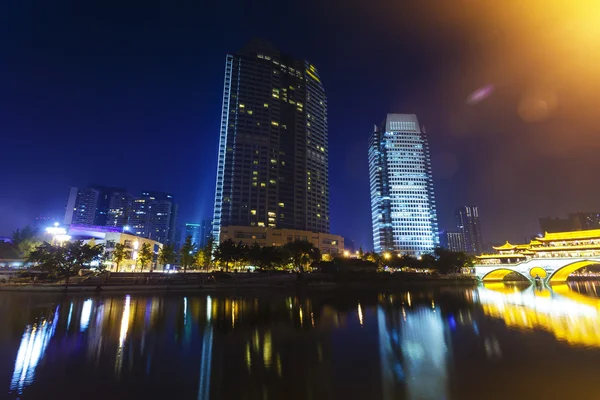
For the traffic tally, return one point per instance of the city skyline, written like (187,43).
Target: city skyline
(97,108)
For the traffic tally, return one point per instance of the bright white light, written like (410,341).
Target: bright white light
(55,230)
(56,224)
(136,245)
(360,314)
(62,238)
(124,322)
(32,349)
(86,312)
(208,308)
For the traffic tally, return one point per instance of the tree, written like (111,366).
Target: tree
(120,253)
(225,252)
(25,241)
(167,255)
(145,256)
(208,251)
(302,253)
(200,258)
(66,260)
(186,254)
(447,261)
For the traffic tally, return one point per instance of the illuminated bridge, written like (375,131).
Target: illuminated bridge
(552,257)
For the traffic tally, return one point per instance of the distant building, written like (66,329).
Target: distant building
(119,209)
(273,151)
(555,224)
(582,221)
(453,241)
(195,232)
(403,208)
(89,206)
(151,215)
(248,235)
(467,222)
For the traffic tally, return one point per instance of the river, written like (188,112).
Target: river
(492,342)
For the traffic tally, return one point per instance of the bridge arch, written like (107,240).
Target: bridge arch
(562,273)
(499,274)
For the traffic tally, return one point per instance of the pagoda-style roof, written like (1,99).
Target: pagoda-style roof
(505,246)
(495,256)
(574,235)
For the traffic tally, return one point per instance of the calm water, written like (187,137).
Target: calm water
(495,342)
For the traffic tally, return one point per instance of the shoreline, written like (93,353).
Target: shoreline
(233,287)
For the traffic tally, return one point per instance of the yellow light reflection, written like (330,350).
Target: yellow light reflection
(569,316)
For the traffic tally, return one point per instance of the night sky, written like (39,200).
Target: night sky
(129,94)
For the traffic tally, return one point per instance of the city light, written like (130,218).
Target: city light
(387,256)
(346,253)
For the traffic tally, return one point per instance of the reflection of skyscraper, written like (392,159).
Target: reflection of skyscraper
(413,351)
(273,164)
(402,201)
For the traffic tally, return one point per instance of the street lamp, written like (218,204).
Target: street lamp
(126,228)
(387,256)
(346,253)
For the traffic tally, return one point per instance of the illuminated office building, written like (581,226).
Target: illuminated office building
(273,151)
(402,200)
(467,222)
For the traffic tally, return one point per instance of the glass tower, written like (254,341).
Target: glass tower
(467,221)
(402,200)
(273,151)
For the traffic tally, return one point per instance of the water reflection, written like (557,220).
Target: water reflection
(568,315)
(393,345)
(31,350)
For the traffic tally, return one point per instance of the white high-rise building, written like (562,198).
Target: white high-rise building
(402,199)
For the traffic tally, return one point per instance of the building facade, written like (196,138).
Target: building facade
(467,222)
(453,241)
(273,151)
(403,207)
(151,215)
(248,235)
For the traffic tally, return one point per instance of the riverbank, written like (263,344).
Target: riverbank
(121,283)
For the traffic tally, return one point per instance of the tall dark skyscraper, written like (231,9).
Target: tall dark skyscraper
(467,222)
(273,151)
(402,200)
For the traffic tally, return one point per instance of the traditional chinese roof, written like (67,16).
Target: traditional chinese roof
(505,246)
(574,235)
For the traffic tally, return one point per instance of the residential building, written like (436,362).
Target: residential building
(89,206)
(555,224)
(152,214)
(248,235)
(453,241)
(467,222)
(403,207)
(582,221)
(119,209)
(273,151)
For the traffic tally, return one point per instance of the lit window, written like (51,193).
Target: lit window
(281,205)
(253,212)
(261,224)
(250,112)
(262,184)
(266,105)
(254,172)
(272,181)
(274,123)
(242,106)
(271,214)
(273,161)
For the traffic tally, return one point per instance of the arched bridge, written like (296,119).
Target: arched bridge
(551,270)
